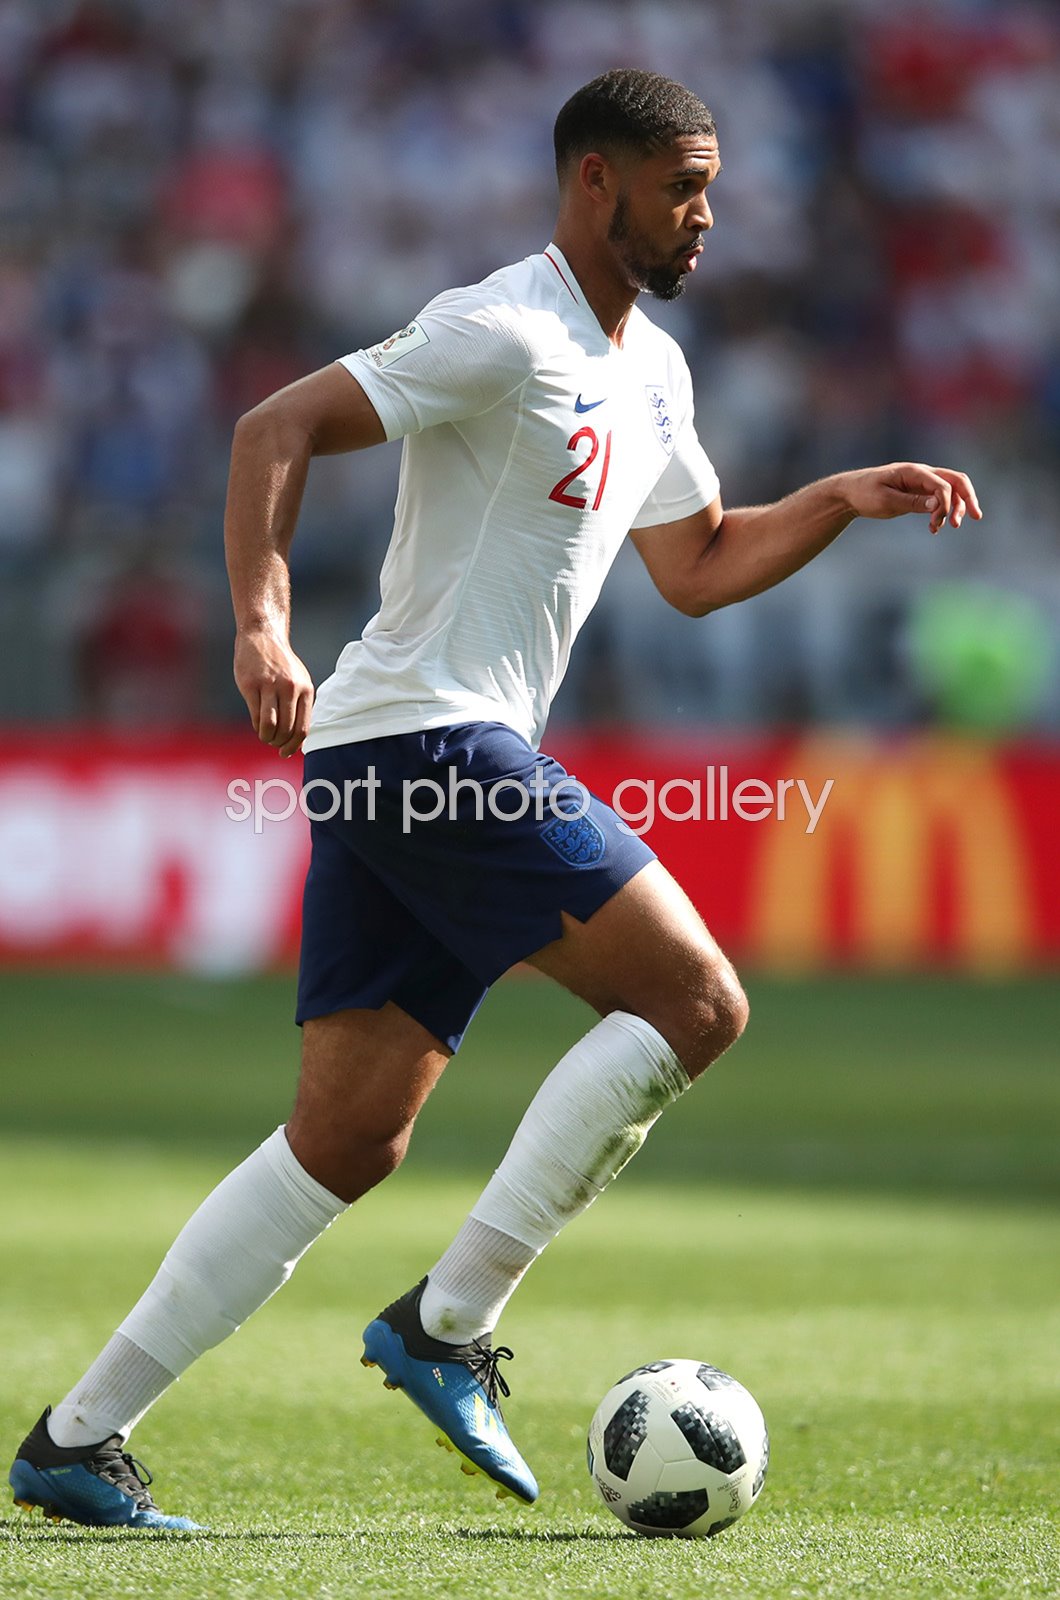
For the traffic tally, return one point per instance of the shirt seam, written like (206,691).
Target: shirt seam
(375,390)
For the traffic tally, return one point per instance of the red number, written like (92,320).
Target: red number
(578,501)
(559,493)
(603,475)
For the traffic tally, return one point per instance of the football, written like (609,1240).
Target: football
(678,1448)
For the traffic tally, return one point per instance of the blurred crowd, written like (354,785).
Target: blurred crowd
(201,201)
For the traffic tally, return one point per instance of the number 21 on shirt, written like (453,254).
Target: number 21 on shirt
(577,443)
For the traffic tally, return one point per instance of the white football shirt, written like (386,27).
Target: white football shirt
(532,446)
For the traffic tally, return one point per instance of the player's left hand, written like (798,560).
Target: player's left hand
(904,486)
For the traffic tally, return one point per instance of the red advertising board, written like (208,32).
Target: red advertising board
(808,851)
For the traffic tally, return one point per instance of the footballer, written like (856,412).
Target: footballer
(545,420)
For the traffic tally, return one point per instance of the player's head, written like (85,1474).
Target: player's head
(639,150)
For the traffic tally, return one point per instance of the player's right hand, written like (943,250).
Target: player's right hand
(276,687)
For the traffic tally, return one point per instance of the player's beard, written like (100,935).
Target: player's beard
(664,280)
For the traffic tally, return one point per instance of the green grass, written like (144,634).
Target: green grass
(937,1085)
(853,1215)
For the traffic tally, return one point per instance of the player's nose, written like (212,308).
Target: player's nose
(698,216)
(701,216)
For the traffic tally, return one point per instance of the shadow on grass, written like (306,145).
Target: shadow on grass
(543,1536)
(15,1532)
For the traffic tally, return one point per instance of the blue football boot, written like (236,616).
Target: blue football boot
(455,1385)
(99,1485)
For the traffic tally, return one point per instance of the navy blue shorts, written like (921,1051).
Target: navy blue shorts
(428,913)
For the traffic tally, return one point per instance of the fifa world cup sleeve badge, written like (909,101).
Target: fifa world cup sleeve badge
(414,337)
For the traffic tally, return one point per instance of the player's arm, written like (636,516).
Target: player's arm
(718,557)
(322,414)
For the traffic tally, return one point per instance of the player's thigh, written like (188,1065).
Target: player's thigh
(382,1003)
(648,951)
(365,1076)
(382,1006)
(371,1068)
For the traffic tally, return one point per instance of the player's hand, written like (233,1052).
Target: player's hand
(277,689)
(904,486)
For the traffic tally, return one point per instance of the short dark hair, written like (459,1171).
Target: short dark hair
(628,110)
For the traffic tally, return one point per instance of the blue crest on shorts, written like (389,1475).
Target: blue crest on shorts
(578,841)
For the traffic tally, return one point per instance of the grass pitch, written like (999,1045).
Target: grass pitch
(855,1215)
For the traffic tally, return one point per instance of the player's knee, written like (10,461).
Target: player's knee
(719,1014)
(351,1161)
(373,1159)
(735,1007)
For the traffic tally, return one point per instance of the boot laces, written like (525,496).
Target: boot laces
(482,1363)
(115,1465)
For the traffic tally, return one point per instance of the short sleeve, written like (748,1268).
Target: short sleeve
(458,359)
(688,484)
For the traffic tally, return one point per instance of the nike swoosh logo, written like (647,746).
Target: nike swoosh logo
(581,408)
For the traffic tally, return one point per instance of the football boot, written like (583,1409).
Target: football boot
(457,1386)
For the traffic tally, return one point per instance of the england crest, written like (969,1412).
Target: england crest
(579,841)
(661,417)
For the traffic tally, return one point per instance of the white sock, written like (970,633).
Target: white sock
(111,1397)
(591,1114)
(467,1289)
(241,1245)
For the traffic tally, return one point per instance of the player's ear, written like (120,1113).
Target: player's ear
(596,177)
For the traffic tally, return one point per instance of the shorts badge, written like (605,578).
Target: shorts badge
(578,841)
